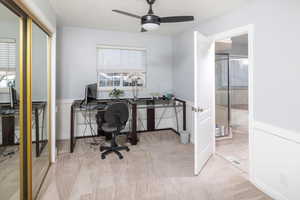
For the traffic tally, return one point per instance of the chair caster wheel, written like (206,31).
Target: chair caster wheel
(101,149)
(121,157)
(103,157)
(128,150)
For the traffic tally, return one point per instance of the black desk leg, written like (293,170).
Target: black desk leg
(184,116)
(72,142)
(37,132)
(8,130)
(150,116)
(133,139)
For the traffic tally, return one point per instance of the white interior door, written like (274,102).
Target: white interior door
(204,100)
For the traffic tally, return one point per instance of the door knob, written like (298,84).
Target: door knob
(197,109)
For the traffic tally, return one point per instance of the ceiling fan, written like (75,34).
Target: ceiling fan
(150,21)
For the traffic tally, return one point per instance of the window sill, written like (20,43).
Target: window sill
(106,89)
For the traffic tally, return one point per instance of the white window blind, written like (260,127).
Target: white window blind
(117,65)
(121,59)
(7,54)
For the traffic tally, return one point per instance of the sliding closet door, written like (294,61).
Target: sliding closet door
(24,103)
(9,108)
(40,104)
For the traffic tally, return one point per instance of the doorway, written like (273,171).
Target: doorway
(205,126)
(231,100)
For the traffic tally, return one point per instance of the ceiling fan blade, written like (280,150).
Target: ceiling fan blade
(143,30)
(127,14)
(176,19)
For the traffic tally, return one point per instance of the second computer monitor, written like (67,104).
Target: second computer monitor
(91,93)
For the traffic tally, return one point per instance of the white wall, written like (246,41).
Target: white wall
(183,66)
(77,65)
(39,65)
(276,78)
(275,57)
(77,59)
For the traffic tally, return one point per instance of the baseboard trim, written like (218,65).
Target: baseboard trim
(267,190)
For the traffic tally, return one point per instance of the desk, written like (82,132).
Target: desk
(142,103)
(8,124)
(150,105)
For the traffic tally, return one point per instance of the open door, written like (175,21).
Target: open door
(204,100)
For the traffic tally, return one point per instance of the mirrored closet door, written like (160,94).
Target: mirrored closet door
(40,104)
(9,104)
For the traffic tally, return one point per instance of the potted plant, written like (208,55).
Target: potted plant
(136,80)
(116,93)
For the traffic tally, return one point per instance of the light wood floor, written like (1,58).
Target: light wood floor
(159,168)
(236,149)
(10,172)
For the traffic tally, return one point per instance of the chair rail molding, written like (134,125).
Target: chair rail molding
(290,135)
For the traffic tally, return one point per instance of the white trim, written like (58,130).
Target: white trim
(100,46)
(268,190)
(248,29)
(53,98)
(282,134)
(285,134)
(233,32)
(195,100)
(118,70)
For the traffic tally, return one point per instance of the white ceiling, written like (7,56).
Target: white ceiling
(98,14)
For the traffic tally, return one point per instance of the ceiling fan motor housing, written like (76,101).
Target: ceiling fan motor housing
(153,19)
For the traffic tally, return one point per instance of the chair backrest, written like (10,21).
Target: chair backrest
(117,114)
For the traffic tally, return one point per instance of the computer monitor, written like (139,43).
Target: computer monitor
(13,100)
(90,93)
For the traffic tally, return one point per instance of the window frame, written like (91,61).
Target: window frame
(126,88)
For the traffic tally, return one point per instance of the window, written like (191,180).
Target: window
(121,67)
(7,63)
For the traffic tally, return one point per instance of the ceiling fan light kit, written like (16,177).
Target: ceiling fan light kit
(151,22)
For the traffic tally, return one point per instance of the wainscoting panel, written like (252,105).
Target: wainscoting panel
(164,118)
(276,161)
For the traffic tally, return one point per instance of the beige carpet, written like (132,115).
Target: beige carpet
(159,168)
(10,172)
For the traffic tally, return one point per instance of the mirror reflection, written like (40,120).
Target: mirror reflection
(9,105)
(40,153)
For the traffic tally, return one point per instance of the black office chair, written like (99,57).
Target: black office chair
(116,117)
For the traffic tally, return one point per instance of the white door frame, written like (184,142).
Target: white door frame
(249,29)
